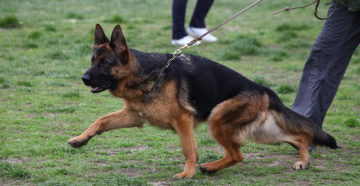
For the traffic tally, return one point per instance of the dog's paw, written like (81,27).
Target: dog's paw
(301,165)
(77,142)
(185,175)
(205,169)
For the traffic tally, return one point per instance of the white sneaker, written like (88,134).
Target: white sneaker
(197,32)
(183,41)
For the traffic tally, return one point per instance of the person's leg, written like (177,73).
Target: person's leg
(201,9)
(178,19)
(327,63)
(197,24)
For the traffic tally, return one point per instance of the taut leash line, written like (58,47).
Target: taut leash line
(188,45)
(315,10)
(180,50)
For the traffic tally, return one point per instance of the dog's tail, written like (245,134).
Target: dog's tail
(316,135)
(298,124)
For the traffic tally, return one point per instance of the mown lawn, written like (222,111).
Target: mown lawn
(45,46)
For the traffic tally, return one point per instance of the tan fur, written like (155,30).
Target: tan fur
(164,112)
(124,118)
(120,71)
(254,122)
(184,98)
(301,142)
(98,46)
(160,112)
(293,130)
(226,133)
(231,122)
(184,125)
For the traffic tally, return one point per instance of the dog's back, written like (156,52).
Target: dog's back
(208,84)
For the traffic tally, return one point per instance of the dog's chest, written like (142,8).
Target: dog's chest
(161,109)
(156,113)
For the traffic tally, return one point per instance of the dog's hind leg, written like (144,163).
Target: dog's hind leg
(121,119)
(224,136)
(301,142)
(226,122)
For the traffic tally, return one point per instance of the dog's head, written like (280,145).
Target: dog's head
(109,62)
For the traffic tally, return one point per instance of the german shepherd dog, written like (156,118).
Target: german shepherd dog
(192,90)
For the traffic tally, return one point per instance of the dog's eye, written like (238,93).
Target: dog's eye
(92,59)
(103,61)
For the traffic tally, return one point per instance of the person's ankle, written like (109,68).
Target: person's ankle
(183,41)
(197,32)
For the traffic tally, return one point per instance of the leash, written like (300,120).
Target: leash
(315,10)
(324,18)
(188,45)
(191,43)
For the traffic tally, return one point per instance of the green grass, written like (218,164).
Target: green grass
(262,81)
(50,28)
(285,89)
(13,171)
(9,22)
(73,15)
(116,19)
(46,47)
(352,123)
(291,27)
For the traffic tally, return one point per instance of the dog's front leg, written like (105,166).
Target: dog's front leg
(124,118)
(184,127)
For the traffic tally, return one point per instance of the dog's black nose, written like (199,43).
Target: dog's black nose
(86,79)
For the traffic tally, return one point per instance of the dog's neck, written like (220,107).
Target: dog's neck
(143,80)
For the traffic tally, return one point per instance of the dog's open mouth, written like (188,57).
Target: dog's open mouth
(97,89)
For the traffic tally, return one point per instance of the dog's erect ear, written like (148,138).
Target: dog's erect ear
(118,43)
(100,36)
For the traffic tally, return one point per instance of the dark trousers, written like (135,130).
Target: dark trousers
(327,63)
(178,16)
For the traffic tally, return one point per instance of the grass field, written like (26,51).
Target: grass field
(45,46)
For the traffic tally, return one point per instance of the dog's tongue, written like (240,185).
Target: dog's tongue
(97,89)
(94,88)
